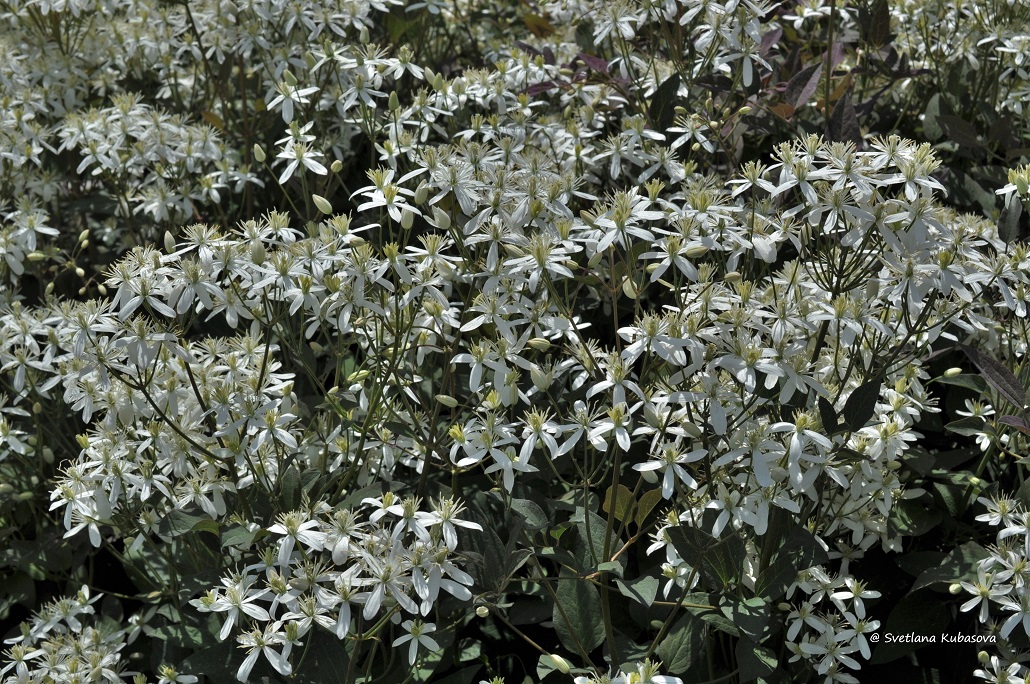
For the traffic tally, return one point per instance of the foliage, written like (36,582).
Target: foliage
(589,340)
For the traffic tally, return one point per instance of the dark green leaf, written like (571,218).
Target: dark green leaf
(751,616)
(663,103)
(914,517)
(931,127)
(959,130)
(999,377)
(534,516)
(643,590)
(178,523)
(683,644)
(1008,222)
(799,551)
(577,615)
(969,427)
(967,380)
(289,484)
(828,416)
(719,561)
(754,660)
(242,537)
(958,565)
(859,407)
(920,614)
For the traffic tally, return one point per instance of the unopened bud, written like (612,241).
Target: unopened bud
(541,380)
(421,193)
(952,372)
(169,242)
(447,400)
(595,260)
(83,235)
(539,343)
(732,277)
(37,408)
(290,79)
(696,251)
(336,166)
(984,657)
(482,611)
(50,288)
(257,252)
(629,288)
(100,288)
(35,256)
(322,204)
(82,440)
(560,663)
(394,103)
(79,271)
(407,219)
(82,291)
(955,589)
(442,220)
(259,153)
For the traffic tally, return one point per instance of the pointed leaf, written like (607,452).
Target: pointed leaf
(999,377)
(859,407)
(663,103)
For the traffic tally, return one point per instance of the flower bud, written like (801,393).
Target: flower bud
(539,343)
(169,242)
(560,663)
(442,220)
(290,79)
(695,251)
(421,193)
(37,408)
(35,256)
(83,235)
(257,252)
(101,289)
(322,204)
(447,400)
(407,219)
(50,288)
(259,153)
(732,277)
(79,271)
(952,372)
(629,288)
(336,166)
(955,589)
(482,611)
(593,261)
(394,103)
(541,380)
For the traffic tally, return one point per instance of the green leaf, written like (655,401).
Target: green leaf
(751,616)
(859,407)
(999,377)
(1008,222)
(931,127)
(663,103)
(831,424)
(643,590)
(683,645)
(240,536)
(534,516)
(577,615)
(719,561)
(914,517)
(289,484)
(624,502)
(920,614)
(967,380)
(754,660)
(798,551)
(178,523)
(969,427)
(958,565)
(180,635)
(647,503)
